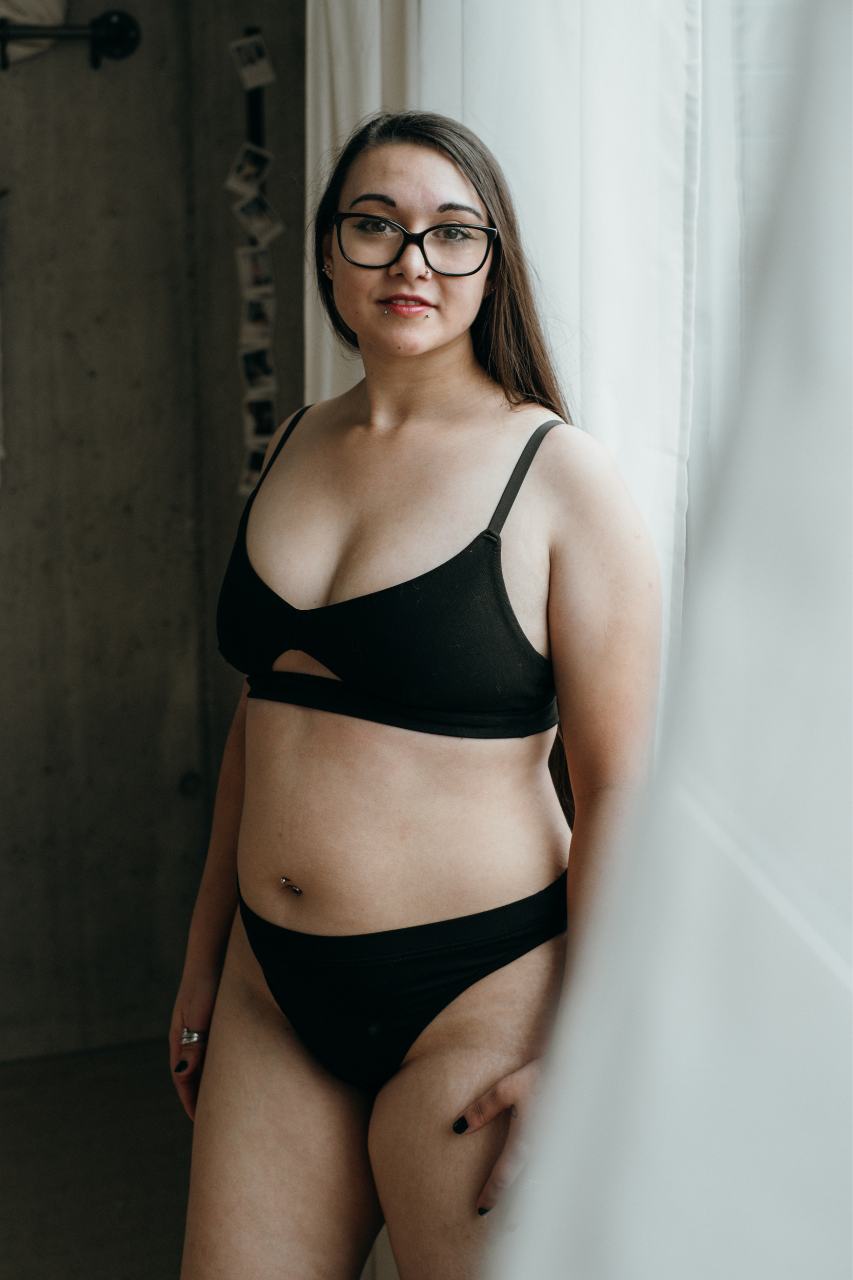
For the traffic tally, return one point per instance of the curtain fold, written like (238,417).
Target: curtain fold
(696,1118)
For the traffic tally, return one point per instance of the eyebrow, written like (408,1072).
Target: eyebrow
(442,208)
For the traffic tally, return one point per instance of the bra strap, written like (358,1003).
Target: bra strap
(519,472)
(284,435)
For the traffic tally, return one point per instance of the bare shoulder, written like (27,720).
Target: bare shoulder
(588,499)
(575,460)
(277,434)
(317,409)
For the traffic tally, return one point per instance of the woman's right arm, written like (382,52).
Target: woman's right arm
(216,900)
(212,918)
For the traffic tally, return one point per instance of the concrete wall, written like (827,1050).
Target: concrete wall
(123,442)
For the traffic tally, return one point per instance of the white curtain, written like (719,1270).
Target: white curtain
(682,171)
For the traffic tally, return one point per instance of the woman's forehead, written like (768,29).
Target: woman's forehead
(414,177)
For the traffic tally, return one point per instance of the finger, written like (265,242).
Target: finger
(187,1082)
(483,1109)
(186,1061)
(188,1096)
(507,1168)
(188,1064)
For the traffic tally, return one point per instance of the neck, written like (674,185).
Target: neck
(401,391)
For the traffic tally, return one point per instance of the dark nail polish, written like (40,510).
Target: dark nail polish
(481,1211)
(182,1066)
(461,1125)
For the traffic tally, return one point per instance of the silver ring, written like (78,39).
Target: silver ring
(192,1037)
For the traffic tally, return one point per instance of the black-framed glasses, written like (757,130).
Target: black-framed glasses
(450,248)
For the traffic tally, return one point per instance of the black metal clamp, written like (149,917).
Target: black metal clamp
(114,34)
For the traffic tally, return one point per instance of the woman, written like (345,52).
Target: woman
(386,822)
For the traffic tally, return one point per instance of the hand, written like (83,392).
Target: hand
(516,1093)
(194,1009)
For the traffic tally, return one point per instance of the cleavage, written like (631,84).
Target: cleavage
(279,568)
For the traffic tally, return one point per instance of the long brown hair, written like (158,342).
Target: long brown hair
(507,334)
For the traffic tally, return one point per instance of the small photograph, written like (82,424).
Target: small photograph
(252,464)
(252,61)
(258,420)
(256,368)
(249,170)
(254,271)
(257,319)
(258,217)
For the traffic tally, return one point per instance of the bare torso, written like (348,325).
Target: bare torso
(382,826)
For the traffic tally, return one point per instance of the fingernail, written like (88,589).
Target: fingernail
(460,1125)
(481,1211)
(182,1066)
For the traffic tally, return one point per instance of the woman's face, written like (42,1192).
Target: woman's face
(407,183)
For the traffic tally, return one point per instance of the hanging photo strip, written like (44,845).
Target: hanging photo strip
(257,318)
(259,421)
(252,61)
(249,170)
(256,369)
(254,271)
(259,219)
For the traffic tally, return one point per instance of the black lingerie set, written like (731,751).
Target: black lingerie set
(440,653)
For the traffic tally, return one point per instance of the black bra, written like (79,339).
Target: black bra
(442,652)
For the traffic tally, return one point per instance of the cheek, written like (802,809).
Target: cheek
(351,301)
(473,304)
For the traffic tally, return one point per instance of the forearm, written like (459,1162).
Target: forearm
(216,900)
(600,820)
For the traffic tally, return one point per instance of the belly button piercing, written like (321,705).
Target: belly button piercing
(287,883)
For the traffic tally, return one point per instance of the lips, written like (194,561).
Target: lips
(410,299)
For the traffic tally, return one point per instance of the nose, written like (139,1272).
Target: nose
(412,259)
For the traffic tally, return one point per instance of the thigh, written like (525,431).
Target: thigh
(280,1182)
(428,1176)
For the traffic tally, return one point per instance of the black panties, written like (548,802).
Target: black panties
(359,1001)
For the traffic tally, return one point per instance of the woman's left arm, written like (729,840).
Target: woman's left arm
(604,626)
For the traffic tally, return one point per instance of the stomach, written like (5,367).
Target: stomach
(383,827)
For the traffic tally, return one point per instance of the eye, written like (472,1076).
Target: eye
(458,227)
(371,224)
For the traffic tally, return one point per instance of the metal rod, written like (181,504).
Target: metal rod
(114,34)
(17,31)
(255,122)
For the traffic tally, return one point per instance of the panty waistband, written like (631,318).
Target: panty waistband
(545,909)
